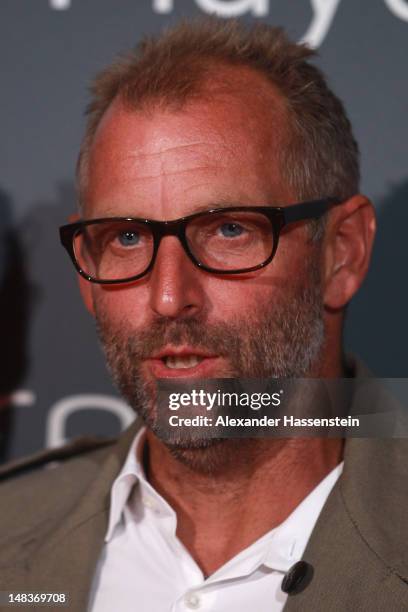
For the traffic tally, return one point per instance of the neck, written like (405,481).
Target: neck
(214,491)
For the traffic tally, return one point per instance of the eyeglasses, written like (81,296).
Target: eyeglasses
(231,240)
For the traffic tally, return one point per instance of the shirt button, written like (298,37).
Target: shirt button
(192,601)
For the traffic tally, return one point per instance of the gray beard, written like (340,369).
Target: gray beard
(284,340)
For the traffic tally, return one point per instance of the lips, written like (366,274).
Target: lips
(183,362)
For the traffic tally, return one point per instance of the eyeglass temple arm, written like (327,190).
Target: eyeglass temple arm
(308,210)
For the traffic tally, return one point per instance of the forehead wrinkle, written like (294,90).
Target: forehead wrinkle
(167,149)
(176,164)
(203,149)
(170,173)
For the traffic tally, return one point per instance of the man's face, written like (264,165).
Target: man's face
(167,164)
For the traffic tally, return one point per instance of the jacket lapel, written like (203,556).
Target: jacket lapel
(358,548)
(75,545)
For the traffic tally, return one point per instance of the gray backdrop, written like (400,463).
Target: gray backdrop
(53,380)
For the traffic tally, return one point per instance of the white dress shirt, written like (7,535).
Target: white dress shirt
(145,568)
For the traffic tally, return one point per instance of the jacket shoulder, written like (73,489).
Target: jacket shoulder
(76,448)
(40,493)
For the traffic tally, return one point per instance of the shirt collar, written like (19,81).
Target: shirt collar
(131,472)
(289,539)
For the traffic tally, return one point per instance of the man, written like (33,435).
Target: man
(213,116)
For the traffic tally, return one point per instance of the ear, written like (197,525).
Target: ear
(347,249)
(85,287)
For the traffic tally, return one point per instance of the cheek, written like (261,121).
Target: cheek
(296,260)
(117,305)
(238,298)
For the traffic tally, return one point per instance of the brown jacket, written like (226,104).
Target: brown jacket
(53,522)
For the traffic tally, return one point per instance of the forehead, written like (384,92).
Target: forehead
(227,138)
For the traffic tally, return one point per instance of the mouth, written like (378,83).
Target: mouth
(183,362)
(174,362)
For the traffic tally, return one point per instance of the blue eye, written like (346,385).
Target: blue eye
(129,238)
(231,230)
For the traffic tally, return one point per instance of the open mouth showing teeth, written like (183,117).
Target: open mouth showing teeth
(186,361)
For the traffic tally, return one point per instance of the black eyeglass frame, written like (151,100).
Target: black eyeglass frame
(278,216)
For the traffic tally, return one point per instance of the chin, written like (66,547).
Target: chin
(215,456)
(202,456)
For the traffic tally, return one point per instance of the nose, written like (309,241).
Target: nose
(176,284)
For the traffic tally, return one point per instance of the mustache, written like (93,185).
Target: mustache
(218,338)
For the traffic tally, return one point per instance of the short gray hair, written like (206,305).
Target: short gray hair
(321,157)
